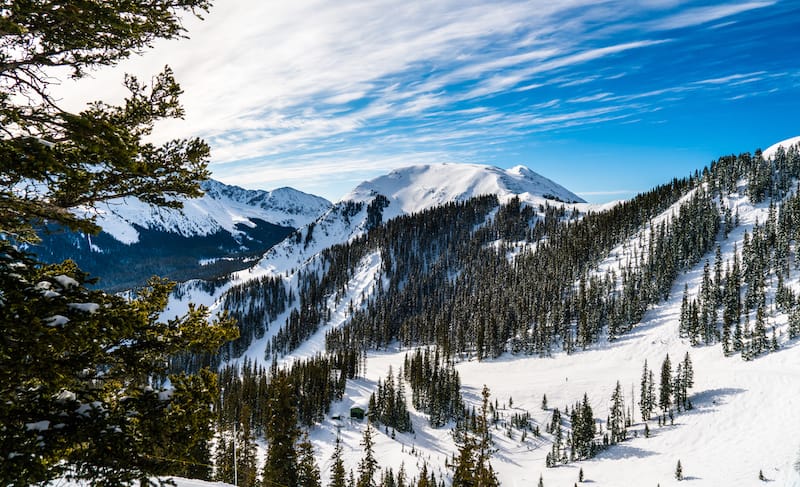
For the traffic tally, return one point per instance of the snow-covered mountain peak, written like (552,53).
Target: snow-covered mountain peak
(416,188)
(771,150)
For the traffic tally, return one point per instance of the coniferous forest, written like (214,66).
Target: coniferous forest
(439,270)
(477,279)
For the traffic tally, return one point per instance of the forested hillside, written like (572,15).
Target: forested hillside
(483,280)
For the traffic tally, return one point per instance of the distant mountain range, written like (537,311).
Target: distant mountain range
(212,235)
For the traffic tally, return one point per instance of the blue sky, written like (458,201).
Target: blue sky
(607,98)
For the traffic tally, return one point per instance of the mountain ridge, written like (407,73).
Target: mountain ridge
(222,231)
(411,189)
(222,207)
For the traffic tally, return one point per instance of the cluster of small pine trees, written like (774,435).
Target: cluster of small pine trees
(435,386)
(388,405)
(731,306)
(369,473)
(673,391)
(316,382)
(472,465)
(254,305)
(574,440)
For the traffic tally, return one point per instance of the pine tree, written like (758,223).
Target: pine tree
(678,382)
(223,459)
(645,400)
(246,459)
(617,416)
(49,313)
(582,439)
(760,340)
(665,394)
(688,381)
(338,474)
(368,467)
(679,471)
(794,323)
(83,158)
(308,474)
(484,474)
(69,349)
(464,464)
(281,432)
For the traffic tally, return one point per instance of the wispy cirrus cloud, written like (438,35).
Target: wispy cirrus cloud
(694,16)
(357,87)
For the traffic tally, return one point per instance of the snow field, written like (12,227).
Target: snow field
(743,421)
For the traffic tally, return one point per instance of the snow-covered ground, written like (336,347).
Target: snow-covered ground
(744,418)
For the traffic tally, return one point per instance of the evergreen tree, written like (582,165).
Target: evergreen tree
(464,464)
(246,459)
(645,397)
(79,159)
(307,469)
(678,382)
(67,357)
(223,459)
(484,474)
(665,392)
(794,323)
(368,467)
(583,429)
(688,381)
(68,361)
(281,432)
(679,471)
(338,475)
(473,466)
(617,416)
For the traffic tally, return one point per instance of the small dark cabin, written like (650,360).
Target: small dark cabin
(356,413)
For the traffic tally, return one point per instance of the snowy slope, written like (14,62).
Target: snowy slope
(744,416)
(222,207)
(743,421)
(770,151)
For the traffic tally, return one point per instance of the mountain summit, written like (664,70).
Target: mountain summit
(416,188)
(410,190)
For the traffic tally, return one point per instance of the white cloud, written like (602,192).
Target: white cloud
(703,15)
(291,92)
(754,76)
